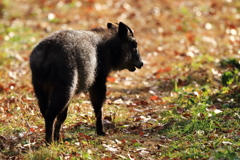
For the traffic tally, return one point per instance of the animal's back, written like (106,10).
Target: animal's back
(66,54)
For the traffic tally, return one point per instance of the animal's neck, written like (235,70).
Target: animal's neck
(110,52)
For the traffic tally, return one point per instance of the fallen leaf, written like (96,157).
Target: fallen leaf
(190,36)
(84,136)
(180,110)
(158,127)
(230,131)
(111,79)
(106,158)
(187,115)
(31,129)
(153,98)
(141,102)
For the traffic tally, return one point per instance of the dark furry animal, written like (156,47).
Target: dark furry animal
(68,62)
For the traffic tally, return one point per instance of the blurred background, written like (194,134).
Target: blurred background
(170,31)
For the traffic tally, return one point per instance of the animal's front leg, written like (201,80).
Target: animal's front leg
(98,95)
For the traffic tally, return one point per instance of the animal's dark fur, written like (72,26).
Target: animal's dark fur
(68,62)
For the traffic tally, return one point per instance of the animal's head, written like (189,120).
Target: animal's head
(129,47)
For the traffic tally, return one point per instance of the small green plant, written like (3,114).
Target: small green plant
(231,62)
(226,153)
(231,75)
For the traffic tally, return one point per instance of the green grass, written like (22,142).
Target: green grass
(197,130)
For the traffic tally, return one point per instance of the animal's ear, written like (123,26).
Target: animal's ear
(110,25)
(122,30)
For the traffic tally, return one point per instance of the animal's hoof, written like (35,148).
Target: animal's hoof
(101,133)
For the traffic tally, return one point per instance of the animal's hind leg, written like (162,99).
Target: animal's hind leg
(42,98)
(98,94)
(59,99)
(60,119)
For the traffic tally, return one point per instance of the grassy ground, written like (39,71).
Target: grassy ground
(183,104)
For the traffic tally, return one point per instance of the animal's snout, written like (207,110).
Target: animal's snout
(139,65)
